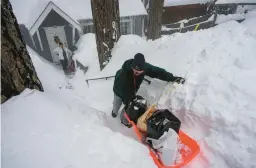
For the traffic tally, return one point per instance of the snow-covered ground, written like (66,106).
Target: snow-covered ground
(63,128)
(59,129)
(87,54)
(237,16)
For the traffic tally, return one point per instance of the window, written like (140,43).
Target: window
(125,27)
(88,29)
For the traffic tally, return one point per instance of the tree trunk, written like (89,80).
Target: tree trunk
(106,20)
(155,19)
(17,70)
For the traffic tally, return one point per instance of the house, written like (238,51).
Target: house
(26,36)
(54,22)
(68,20)
(176,10)
(234,6)
(132,16)
(213,13)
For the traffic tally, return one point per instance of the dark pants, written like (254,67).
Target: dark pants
(64,64)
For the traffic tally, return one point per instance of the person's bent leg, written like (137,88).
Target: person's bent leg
(117,103)
(63,65)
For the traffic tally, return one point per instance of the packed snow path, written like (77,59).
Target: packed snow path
(61,128)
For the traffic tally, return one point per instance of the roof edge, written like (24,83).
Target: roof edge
(52,6)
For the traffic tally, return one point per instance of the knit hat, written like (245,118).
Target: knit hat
(138,62)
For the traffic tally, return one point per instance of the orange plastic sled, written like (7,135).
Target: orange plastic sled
(185,140)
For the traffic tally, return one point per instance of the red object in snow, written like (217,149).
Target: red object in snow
(185,141)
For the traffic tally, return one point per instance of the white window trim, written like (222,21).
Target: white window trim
(143,28)
(39,39)
(73,35)
(32,40)
(86,24)
(131,24)
(129,21)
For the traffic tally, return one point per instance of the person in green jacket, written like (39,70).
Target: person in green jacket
(129,78)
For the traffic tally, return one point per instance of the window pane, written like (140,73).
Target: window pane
(125,28)
(88,29)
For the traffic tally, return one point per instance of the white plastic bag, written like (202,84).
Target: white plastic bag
(167,145)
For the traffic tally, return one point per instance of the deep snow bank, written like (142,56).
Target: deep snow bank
(237,16)
(40,130)
(87,54)
(56,129)
(216,105)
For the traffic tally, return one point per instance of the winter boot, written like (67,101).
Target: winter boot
(113,114)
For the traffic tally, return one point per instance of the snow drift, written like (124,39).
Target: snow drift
(57,129)
(87,54)
(216,105)
(62,128)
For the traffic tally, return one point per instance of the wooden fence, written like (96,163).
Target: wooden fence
(202,22)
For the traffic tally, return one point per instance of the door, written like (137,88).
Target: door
(51,32)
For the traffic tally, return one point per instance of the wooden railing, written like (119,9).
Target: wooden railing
(193,24)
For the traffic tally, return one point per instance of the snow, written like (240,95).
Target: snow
(184,2)
(243,8)
(216,105)
(124,45)
(234,1)
(83,8)
(58,129)
(168,145)
(238,16)
(87,54)
(65,128)
(131,8)
(225,18)
(76,9)
(250,24)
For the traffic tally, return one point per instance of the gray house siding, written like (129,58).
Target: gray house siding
(77,36)
(138,25)
(136,22)
(45,50)
(37,45)
(231,8)
(68,32)
(54,19)
(26,36)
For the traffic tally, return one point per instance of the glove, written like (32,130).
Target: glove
(126,105)
(180,80)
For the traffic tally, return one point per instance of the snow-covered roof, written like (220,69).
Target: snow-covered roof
(234,1)
(44,14)
(184,2)
(81,9)
(28,11)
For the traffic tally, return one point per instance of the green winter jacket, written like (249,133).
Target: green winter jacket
(126,84)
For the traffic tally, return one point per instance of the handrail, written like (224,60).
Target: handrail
(107,77)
